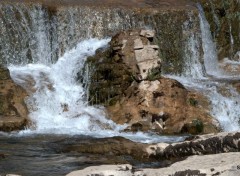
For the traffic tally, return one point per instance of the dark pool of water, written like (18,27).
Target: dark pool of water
(41,155)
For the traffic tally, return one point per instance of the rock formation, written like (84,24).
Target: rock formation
(199,145)
(212,154)
(226,164)
(126,79)
(13,110)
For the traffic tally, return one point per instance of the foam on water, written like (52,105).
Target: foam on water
(215,83)
(58,103)
(224,100)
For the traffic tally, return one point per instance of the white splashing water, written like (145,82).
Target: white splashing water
(57,104)
(224,98)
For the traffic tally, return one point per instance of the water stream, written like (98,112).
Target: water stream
(58,106)
(213,82)
(59,111)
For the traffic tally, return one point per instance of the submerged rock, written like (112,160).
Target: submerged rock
(13,110)
(126,79)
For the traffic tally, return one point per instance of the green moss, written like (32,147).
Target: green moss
(198,125)
(154,74)
(193,102)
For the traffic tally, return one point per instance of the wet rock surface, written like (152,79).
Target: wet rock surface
(223,17)
(199,145)
(166,4)
(213,154)
(220,164)
(126,79)
(13,110)
(110,147)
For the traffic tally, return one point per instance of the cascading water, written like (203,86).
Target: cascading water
(209,48)
(216,84)
(57,105)
(25,35)
(193,66)
(57,102)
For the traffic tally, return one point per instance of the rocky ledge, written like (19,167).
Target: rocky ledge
(213,154)
(126,78)
(13,110)
(226,164)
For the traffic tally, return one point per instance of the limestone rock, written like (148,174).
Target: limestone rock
(130,57)
(147,33)
(13,110)
(126,79)
(226,164)
(198,145)
(163,106)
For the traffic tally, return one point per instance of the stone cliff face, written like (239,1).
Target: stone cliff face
(126,79)
(13,111)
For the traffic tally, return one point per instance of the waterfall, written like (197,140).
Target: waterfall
(216,84)
(209,47)
(192,65)
(57,101)
(25,34)
(57,104)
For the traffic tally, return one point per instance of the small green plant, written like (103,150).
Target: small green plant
(193,102)
(154,74)
(198,125)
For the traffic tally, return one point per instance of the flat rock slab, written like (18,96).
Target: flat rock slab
(226,164)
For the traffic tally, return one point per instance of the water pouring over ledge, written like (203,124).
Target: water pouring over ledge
(212,81)
(57,102)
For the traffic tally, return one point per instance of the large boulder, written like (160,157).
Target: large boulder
(126,79)
(13,110)
(163,106)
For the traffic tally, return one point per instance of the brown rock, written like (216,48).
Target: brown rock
(13,110)
(130,57)
(116,146)
(126,78)
(164,106)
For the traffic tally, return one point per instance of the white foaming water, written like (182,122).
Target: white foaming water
(224,100)
(57,102)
